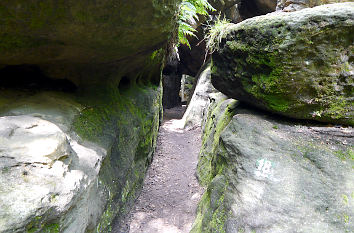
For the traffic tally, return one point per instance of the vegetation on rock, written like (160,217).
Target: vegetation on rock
(189,12)
(296,64)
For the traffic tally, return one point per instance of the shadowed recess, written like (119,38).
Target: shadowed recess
(31,77)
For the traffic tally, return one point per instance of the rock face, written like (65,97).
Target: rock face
(187,84)
(80,106)
(294,5)
(220,113)
(204,94)
(228,8)
(297,64)
(43,172)
(271,175)
(51,180)
(88,42)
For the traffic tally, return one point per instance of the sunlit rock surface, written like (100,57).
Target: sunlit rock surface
(295,5)
(204,94)
(44,174)
(273,175)
(73,163)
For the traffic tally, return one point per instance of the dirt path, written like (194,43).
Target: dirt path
(170,194)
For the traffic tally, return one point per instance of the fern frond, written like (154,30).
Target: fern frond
(189,11)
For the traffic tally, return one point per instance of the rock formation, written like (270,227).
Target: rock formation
(269,173)
(80,106)
(203,95)
(297,64)
(294,5)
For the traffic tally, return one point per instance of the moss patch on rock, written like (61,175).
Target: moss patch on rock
(126,123)
(296,64)
(219,115)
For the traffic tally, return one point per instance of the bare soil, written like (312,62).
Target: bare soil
(168,201)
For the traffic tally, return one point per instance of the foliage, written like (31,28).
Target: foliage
(216,33)
(189,11)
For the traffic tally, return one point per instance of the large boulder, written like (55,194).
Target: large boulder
(73,163)
(45,173)
(88,42)
(294,5)
(297,64)
(272,175)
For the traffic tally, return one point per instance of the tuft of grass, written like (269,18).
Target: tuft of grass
(215,33)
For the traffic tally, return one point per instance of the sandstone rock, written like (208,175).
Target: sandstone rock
(219,115)
(187,84)
(297,64)
(73,163)
(228,9)
(43,175)
(294,5)
(95,141)
(204,94)
(271,175)
(88,42)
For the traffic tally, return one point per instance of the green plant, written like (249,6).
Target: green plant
(189,11)
(215,33)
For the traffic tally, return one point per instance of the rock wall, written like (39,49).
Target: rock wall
(87,42)
(73,164)
(267,174)
(80,106)
(203,96)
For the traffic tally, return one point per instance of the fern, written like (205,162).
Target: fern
(189,11)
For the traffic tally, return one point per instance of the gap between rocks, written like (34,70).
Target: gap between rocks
(170,194)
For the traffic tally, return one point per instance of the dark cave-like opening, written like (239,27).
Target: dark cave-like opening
(124,83)
(252,8)
(32,78)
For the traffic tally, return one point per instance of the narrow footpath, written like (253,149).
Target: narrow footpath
(171,192)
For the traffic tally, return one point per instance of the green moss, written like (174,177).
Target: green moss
(125,123)
(211,214)
(277,103)
(338,108)
(346,218)
(106,220)
(219,117)
(345,199)
(345,155)
(39,225)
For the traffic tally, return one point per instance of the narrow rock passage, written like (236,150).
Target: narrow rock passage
(170,194)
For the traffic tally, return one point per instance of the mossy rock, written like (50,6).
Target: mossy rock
(77,38)
(270,174)
(297,64)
